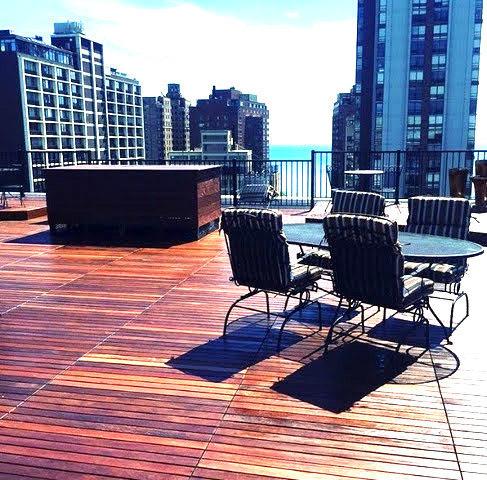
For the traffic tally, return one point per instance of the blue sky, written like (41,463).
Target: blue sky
(295,55)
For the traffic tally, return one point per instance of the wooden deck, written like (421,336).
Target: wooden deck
(112,366)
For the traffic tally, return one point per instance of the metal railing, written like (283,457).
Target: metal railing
(299,182)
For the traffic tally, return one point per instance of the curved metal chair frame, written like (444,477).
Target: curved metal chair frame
(416,308)
(453,288)
(304,300)
(301,292)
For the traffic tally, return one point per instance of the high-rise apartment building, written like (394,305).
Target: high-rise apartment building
(62,106)
(125,117)
(179,117)
(343,140)
(158,128)
(417,77)
(242,114)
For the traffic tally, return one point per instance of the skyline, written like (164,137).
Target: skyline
(289,48)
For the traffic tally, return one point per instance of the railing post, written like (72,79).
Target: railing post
(313,179)
(398,176)
(234,181)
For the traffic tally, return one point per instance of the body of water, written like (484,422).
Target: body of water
(294,177)
(294,152)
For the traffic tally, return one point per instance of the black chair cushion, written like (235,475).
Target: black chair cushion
(438,272)
(321,259)
(415,288)
(303,276)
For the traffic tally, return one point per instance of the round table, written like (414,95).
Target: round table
(415,246)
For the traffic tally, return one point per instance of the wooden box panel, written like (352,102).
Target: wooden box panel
(171,197)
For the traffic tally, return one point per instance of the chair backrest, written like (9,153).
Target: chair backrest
(257,248)
(254,195)
(448,217)
(368,264)
(362,203)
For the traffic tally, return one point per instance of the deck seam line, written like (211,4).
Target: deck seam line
(447,418)
(47,293)
(231,400)
(24,259)
(73,363)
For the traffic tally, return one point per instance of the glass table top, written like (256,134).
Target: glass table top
(414,245)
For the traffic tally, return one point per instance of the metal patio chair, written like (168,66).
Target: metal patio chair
(345,201)
(260,261)
(447,217)
(368,267)
(10,184)
(256,195)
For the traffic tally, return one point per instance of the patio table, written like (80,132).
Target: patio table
(415,246)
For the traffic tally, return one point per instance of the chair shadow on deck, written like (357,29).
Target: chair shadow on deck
(393,329)
(219,359)
(248,342)
(345,375)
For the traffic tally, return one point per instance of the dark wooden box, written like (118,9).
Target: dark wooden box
(175,198)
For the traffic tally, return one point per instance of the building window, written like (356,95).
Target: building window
(36,143)
(62,88)
(64,102)
(65,115)
(34,113)
(50,114)
(65,129)
(33,98)
(47,85)
(30,67)
(51,129)
(35,128)
(416,75)
(61,73)
(75,76)
(47,71)
(32,83)
(52,143)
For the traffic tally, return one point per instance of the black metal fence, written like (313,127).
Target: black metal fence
(299,182)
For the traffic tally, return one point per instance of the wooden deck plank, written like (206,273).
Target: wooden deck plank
(112,365)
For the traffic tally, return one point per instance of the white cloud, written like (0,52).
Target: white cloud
(296,70)
(292,15)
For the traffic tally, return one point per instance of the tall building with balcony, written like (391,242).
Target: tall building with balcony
(242,114)
(158,128)
(179,117)
(55,97)
(417,76)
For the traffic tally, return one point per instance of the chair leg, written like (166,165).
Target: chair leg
(233,305)
(300,306)
(452,310)
(418,319)
(320,316)
(337,310)
(268,310)
(362,309)
(446,332)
